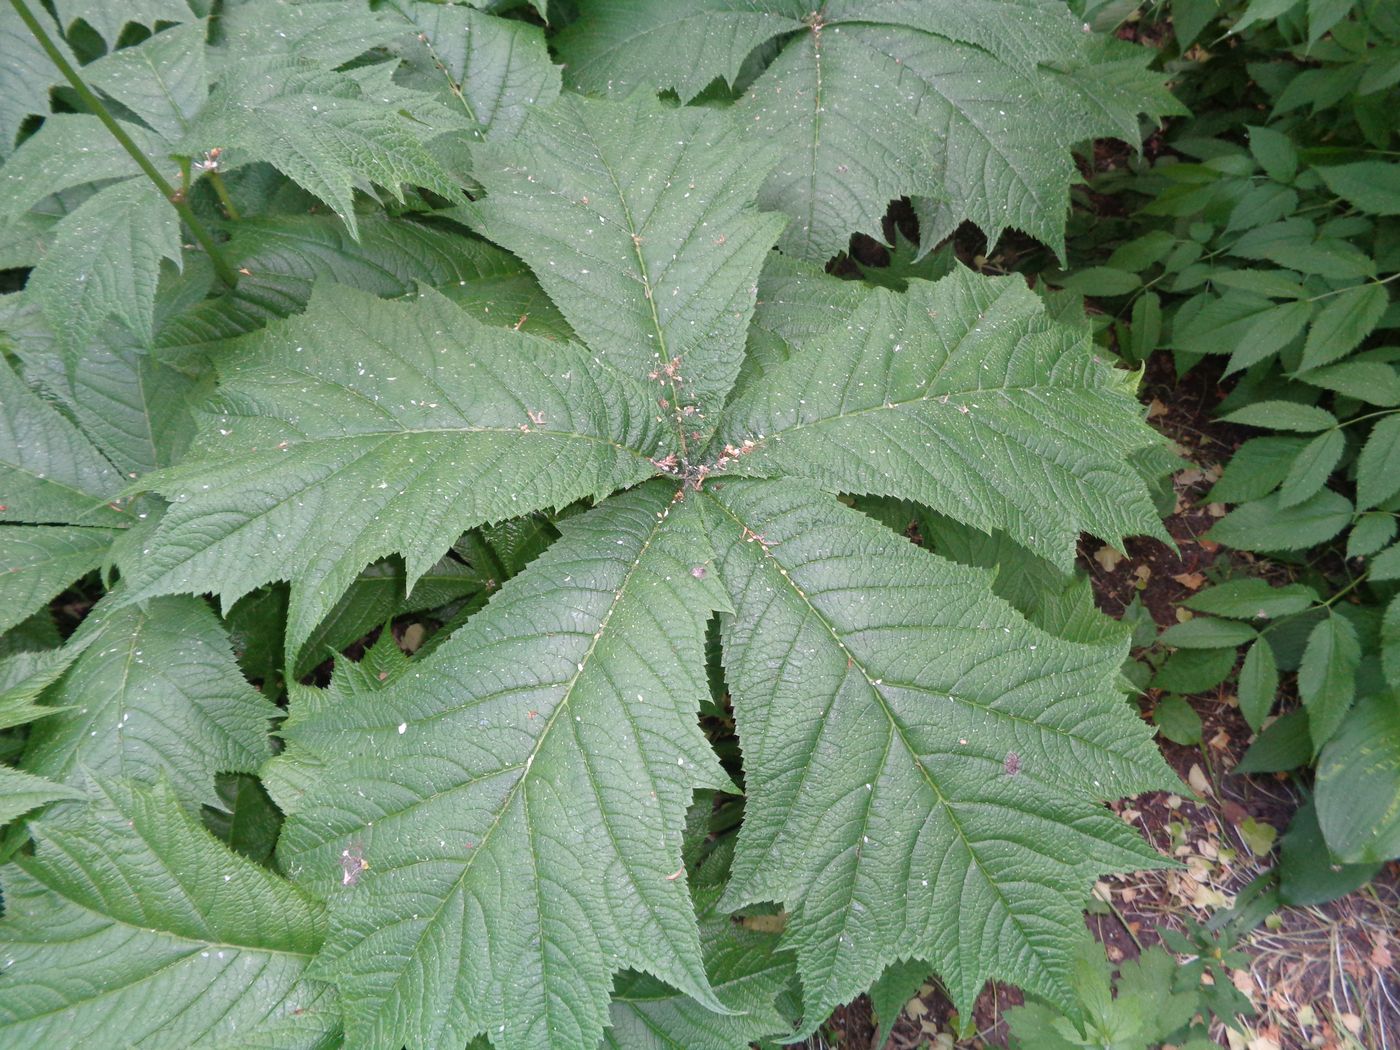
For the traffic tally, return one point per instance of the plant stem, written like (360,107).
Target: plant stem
(226,273)
(217,181)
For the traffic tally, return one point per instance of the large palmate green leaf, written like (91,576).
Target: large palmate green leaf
(105,262)
(132,923)
(972,107)
(163,80)
(26,75)
(748,971)
(109,19)
(518,801)
(20,792)
(154,693)
(639,222)
(322,129)
(280,261)
(37,562)
(494,68)
(135,409)
(923,766)
(363,428)
(964,396)
(49,472)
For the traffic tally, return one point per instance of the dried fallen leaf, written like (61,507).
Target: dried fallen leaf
(1108,558)
(1199,784)
(1156,408)
(1190,580)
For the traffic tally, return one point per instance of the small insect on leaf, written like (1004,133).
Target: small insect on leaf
(1012,765)
(352,865)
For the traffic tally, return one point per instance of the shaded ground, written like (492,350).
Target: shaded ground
(1323,977)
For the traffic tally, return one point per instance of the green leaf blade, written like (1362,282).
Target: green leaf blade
(154,693)
(963,396)
(411,419)
(892,746)
(515,855)
(638,220)
(132,918)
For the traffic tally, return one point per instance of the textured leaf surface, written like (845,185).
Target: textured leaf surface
(972,107)
(71,149)
(20,792)
(964,396)
(156,692)
(27,73)
(131,922)
(638,220)
(321,129)
(281,261)
(163,80)
(133,408)
(494,68)
(1358,783)
(748,973)
(105,263)
(363,428)
(328,32)
(109,19)
(49,472)
(24,675)
(519,799)
(922,764)
(913,752)
(618,45)
(37,563)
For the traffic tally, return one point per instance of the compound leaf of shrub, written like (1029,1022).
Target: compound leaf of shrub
(1312,468)
(105,263)
(964,396)
(132,918)
(1358,786)
(922,767)
(1258,685)
(154,693)
(410,419)
(37,563)
(1343,323)
(496,69)
(638,220)
(1371,185)
(1327,676)
(1264,525)
(1378,465)
(50,472)
(519,800)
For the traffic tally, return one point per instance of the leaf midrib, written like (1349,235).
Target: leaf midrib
(896,727)
(507,802)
